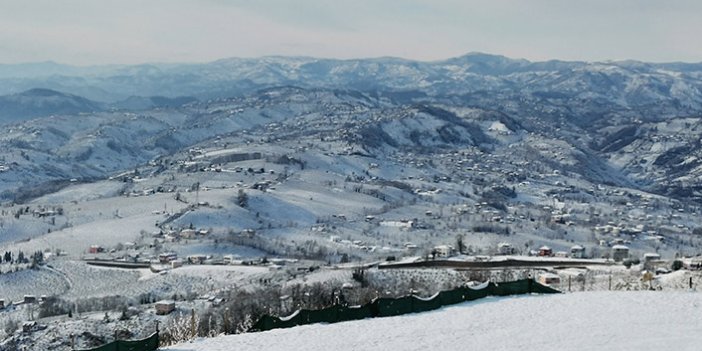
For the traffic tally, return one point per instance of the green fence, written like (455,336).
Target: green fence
(385,307)
(148,344)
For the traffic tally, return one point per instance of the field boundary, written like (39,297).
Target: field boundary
(386,307)
(147,344)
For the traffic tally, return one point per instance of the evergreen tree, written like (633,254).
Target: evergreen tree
(242,199)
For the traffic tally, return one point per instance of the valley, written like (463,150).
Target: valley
(293,184)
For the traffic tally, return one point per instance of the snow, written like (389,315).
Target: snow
(223,274)
(76,280)
(499,127)
(208,248)
(585,321)
(83,192)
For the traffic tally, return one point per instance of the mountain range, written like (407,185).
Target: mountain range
(625,83)
(633,123)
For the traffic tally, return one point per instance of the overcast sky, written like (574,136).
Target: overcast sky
(135,31)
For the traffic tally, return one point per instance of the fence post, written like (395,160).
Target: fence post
(569,283)
(610,281)
(192,323)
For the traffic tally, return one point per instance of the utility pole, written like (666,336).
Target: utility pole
(197,193)
(569,277)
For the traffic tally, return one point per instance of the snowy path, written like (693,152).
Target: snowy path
(69,282)
(579,321)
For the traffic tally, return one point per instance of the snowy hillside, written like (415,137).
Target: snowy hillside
(624,83)
(42,103)
(250,186)
(582,321)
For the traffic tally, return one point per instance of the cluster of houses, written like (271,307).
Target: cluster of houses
(171,259)
(618,253)
(26,300)
(576,251)
(504,249)
(187,233)
(168,236)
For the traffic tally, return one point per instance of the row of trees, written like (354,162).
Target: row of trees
(243,307)
(9,258)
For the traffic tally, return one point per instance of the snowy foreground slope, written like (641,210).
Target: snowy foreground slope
(582,321)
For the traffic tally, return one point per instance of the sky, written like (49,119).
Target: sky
(90,32)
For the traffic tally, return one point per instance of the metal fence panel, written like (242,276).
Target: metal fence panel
(386,307)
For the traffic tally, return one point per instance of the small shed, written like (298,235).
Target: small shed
(651,256)
(188,233)
(231,259)
(165,307)
(29,326)
(504,248)
(2,304)
(94,249)
(694,263)
(197,259)
(177,263)
(619,253)
(167,257)
(577,251)
(549,279)
(545,251)
(30,299)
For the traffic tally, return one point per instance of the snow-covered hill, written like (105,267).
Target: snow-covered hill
(293,164)
(624,83)
(582,321)
(35,103)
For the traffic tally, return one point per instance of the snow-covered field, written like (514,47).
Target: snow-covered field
(75,280)
(641,320)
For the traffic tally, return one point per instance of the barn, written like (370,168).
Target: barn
(164,307)
(545,251)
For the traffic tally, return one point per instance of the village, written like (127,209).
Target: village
(293,206)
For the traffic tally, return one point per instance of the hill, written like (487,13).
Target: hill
(36,102)
(304,168)
(593,321)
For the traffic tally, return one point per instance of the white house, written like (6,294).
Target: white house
(577,251)
(619,253)
(504,248)
(443,250)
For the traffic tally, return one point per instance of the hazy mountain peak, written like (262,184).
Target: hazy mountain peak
(41,102)
(41,92)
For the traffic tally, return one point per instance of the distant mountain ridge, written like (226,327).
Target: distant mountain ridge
(39,102)
(630,123)
(625,83)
